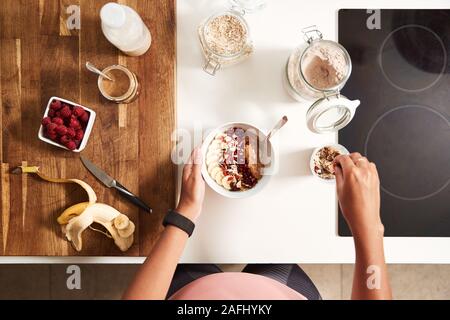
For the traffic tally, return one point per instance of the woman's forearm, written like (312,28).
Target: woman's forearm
(370,280)
(153,279)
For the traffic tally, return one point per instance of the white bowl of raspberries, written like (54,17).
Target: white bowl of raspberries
(66,124)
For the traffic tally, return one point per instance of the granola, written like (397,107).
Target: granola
(324,162)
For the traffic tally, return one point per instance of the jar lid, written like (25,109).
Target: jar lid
(331,113)
(248,6)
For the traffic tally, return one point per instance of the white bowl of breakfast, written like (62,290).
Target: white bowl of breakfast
(236,160)
(322,161)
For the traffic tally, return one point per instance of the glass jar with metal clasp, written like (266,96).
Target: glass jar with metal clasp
(225,36)
(317,71)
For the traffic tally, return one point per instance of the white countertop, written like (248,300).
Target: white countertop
(294,219)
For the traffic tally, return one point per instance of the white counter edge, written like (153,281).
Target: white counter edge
(71,260)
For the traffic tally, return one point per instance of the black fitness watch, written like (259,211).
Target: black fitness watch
(178,220)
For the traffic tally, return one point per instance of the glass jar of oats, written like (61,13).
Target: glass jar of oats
(225,36)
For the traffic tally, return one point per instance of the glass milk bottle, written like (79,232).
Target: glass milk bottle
(124,28)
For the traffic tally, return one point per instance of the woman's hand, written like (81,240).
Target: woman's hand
(192,187)
(153,279)
(358,189)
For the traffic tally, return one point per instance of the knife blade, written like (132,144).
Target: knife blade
(110,182)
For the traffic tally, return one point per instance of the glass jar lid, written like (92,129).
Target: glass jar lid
(331,113)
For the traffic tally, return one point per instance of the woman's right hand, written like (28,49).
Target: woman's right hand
(358,190)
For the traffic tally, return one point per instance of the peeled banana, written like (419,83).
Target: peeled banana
(77,218)
(128,231)
(124,226)
(121,222)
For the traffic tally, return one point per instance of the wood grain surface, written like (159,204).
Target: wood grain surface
(41,57)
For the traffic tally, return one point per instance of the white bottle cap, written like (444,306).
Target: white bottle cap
(113,15)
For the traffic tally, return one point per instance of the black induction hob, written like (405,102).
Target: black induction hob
(401,74)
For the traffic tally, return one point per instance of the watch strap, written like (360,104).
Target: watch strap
(178,220)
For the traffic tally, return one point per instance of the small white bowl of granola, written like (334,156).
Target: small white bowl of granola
(236,160)
(322,158)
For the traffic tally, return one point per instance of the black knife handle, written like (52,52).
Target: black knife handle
(131,197)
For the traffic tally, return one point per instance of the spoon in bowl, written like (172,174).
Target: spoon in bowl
(277,127)
(263,146)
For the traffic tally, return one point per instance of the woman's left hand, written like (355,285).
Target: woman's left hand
(192,187)
(154,277)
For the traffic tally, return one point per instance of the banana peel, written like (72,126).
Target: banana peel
(33,169)
(72,212)
(79,217)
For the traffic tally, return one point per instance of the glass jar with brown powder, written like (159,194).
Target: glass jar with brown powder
(124,87)
(317,71)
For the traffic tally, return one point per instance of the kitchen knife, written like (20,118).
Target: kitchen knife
(112,183)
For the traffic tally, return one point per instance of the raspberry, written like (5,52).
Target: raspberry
(51,113)
(71,132)
(79,135)
(58,114)
(51,127)
(61,130)
(85,117)
(78,111)
(74,123)
(71,145)
(64,139)
(57,121)
(51,135)
(66,112)
(55,105)
(46,121)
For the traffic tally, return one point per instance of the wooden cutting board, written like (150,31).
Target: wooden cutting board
(39,58)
